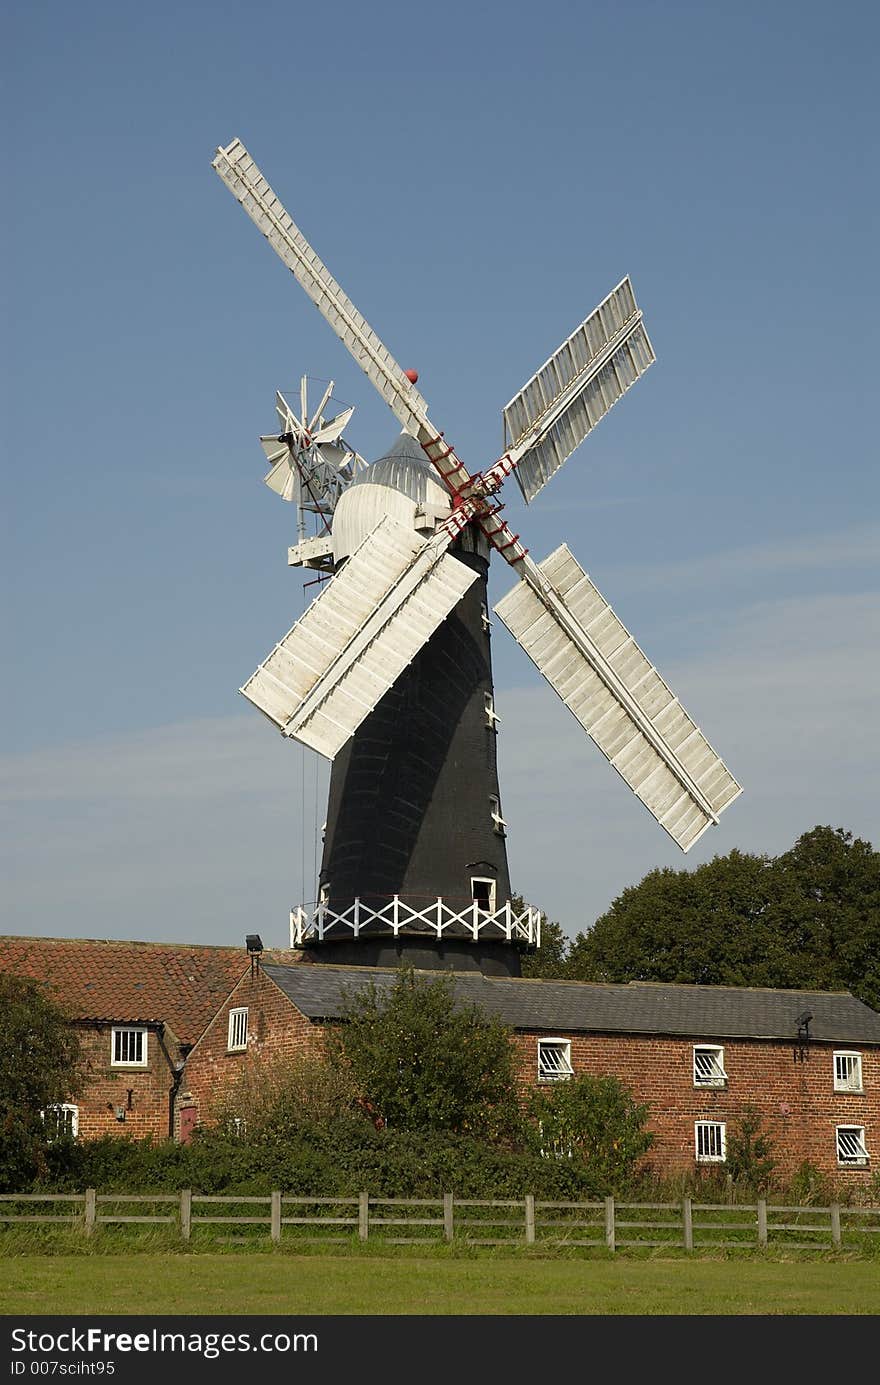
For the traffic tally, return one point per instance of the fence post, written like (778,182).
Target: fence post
(687,1217)
(186,1213)
(363,1215)
(448,1215)
(89,1215)
(835,1224)
(609,1224)
(275,1218)
(530,1219)
(762,1221)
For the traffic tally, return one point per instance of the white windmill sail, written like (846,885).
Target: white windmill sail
(247,184)
(357,637)
(592,661)
(575,388)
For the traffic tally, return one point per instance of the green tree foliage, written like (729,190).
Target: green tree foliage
(549,961)
(807,919)
(596,1122)
(749,1151)
(282,1100)
(39,1067)
(422,1061)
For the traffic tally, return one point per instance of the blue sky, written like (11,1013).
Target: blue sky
(477,178)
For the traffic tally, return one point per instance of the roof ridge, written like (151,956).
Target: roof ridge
(120,942)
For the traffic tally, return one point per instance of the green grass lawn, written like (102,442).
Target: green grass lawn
(267,1283)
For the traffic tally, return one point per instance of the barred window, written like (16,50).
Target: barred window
(711,1142)
(851,1147)
(128,1048)
(61,1120)
(709,1066)
(238,1028)
(554,1060)
(847,1072)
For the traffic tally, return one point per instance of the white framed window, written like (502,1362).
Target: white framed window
(483,894)
(710,1142)
(498,821)
(60,1120)
(847,1071)
(493,720)
(554,1060)
(851,1147)
(128,1048)
(709,1066)
(238,1029)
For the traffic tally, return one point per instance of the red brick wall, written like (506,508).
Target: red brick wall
(276,1029)
(797,1101)
(108,1087)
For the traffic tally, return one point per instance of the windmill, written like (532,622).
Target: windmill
(388,672)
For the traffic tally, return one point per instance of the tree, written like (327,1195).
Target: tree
(39,1068)
(549,961)
(595,1120)
(749,1151)
(809,919)
(422,1061)
(278,1101)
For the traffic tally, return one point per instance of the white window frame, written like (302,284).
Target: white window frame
(236,1041)
(484,880)
(560,1069)
(718,1079)
(702,1157)
(852,1161)
(498,822)
(848,1071)
(71,1124)
(118,1031)
(493,720)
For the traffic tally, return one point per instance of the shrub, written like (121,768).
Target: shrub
(421,1061)
(594,1122)
(749,1148)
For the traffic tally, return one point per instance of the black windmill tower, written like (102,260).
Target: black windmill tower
(388,673)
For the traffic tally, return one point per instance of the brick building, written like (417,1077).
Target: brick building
(167,1028)
(697,1055)
(139,1008)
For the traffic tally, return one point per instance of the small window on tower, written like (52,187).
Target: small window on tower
(495,809)
(483,891)
(492,717)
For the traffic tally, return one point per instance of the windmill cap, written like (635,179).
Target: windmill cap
(398,484)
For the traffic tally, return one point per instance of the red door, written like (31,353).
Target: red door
(187,1123)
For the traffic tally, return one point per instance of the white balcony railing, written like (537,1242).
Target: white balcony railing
(437,919)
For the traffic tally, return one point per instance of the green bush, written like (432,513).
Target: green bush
(595,1124)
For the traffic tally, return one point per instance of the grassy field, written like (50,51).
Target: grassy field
(266,1283)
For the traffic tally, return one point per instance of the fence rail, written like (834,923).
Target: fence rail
(616,1225)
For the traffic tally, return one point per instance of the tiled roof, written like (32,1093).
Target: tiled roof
(565,1007)
(181,985)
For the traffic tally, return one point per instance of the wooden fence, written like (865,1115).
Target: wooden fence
(610,1224)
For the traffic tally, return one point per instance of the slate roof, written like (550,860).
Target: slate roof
(181,985)
(566,1007)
